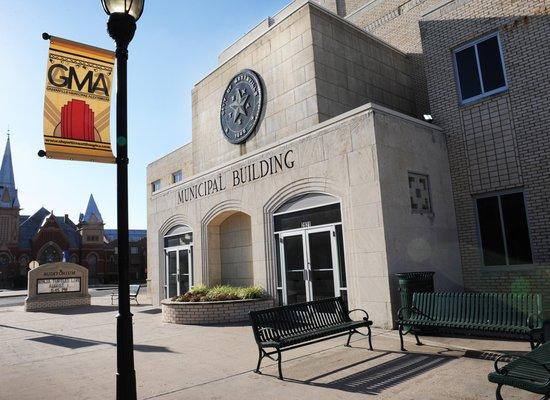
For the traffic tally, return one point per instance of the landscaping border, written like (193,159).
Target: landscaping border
(211,312)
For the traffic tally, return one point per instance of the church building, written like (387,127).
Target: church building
(46,237)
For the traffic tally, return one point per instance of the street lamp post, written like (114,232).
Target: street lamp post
(121,26)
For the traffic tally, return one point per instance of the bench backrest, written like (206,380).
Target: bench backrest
(134,290)
(298,318)
(509,309)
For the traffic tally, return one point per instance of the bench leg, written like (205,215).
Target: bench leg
(349,338)
(279,358)
(370,337)
(418,342)
(260,358)
(498,395)
(401,338)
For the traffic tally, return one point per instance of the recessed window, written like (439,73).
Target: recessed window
(419,193)
(503,230)
(177,176)
(155,186)
(480,68)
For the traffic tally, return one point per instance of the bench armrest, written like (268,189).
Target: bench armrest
(413,309)
(400,312)
(365,318)
(533,320)
(274,330)
(504,370)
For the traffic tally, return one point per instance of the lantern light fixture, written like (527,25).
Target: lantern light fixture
(130,7)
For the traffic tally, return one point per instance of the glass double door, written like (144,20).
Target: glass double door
(309,264)
(178,271)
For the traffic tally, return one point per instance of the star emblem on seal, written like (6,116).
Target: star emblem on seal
(241,106)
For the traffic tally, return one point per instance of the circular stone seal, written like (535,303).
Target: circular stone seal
(241,106)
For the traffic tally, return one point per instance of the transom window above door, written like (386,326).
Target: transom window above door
(479,68)
(178,236)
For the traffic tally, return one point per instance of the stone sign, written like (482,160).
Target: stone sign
(57,285)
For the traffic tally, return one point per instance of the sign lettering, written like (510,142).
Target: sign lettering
(238,176)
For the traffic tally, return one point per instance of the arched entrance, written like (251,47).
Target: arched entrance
(178,266)
(230,249)
(310,249)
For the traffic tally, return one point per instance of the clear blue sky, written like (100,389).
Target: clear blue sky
(177,43)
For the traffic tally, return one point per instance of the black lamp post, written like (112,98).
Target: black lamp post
(121,26)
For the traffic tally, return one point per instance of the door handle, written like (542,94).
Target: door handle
(304,272)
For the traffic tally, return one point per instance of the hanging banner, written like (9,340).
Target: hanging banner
(77,102)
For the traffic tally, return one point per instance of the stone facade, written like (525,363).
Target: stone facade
(313,66)
(362,158)
(346,81)
(211,313)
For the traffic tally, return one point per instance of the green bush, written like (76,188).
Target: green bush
(220,293)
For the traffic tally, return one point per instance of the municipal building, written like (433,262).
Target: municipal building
(340,142)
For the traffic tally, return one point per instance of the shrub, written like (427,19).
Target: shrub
(220,293)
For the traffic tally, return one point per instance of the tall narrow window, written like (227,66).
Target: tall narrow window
(155,186)
(480,69)
(503,230)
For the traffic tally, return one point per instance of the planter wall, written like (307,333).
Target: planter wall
(212,312)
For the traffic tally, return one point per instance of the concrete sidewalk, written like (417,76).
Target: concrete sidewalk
(5,293)
(71,354)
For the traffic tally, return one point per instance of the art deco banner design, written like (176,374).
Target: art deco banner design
(77,102)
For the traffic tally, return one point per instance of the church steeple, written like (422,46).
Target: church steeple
(92,214)
(8,192)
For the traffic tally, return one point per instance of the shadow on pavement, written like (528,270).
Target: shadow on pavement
(72,342)
(374,380)
(82,310)
(151,311)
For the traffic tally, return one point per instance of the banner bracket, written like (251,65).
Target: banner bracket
(46,36)
(41,153)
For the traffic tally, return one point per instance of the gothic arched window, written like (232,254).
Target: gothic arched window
(50,254)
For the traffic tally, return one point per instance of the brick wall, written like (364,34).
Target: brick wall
(500,142)
(55,301)
(215,312)
(495,144)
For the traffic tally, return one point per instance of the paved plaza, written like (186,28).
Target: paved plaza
(71,354)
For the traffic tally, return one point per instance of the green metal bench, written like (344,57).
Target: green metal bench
(530,372)
(501,315)
(296,325)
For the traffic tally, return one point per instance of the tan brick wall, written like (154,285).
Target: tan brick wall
(495,144)
(56,302)
(208,313)
(501,142)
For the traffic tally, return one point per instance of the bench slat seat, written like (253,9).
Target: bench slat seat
(502,315)
(530,372)
(318,333)
(287,327)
